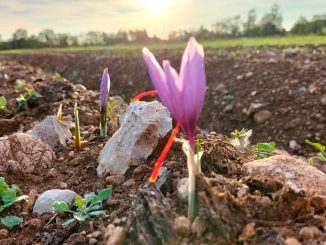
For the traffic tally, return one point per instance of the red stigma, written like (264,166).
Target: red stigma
(165,151)
(141,95)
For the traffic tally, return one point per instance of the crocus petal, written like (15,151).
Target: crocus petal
(192,75)
(157,76)
(175,89)
(104,90)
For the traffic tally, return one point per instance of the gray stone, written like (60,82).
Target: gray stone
(294,145)
(52,131)
(182,226)
(182,189)
(44,202)
(262,116)
(142,125)
(24,153)
(294,173)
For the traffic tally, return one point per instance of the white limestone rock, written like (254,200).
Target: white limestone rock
(142,125)
(24,153)
(44,202)
(294,173)
(52,131)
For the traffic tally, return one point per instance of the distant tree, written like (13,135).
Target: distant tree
(271,23)
(139,36)
(301,26)
(250,26)
(122,36)
(48,37)
(229,27)
(203,33)
(20,34)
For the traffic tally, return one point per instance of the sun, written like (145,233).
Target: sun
(154,5)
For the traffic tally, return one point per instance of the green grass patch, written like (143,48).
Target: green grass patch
(178,46)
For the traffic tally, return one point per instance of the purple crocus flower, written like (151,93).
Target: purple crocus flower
(104,90)
(183,94)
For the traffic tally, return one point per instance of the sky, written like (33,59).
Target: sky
(159,17)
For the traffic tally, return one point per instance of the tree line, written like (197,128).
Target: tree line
(270,24)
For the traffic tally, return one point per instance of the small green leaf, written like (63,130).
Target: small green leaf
(68,222)
(81,216)
(61,207)
(317,146)
(104,194)
(311,161)
(89,197)
(15,188)
(8,195)
(3,102)
(97,213)
(20,83)
(79,201)
(321,156)
(11,221)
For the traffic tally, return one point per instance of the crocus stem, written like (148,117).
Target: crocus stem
(193,163)
(77,129)
(165,151)
(193,202)
(103,120)
(142,95)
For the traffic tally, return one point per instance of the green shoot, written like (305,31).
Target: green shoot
(321,148)
(20,83)
(263,150)
(8,194)
(240,139)
(86,208)
(3,103)
(10,221)
(77,129)
(25,97)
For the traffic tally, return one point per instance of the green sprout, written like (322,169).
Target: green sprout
(321,148)
(20,83)
(77,129)
(10,221)
(88,207)
(263,150)
(25,97)
(240,140)
(8,194)
(3,103)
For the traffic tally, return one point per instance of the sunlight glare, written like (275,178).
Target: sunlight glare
(154,5)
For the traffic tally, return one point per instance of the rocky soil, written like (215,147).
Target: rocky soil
(243,200)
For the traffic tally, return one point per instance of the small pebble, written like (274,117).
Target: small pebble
(182,226)
(141,169)
(292,241)
(92,241)
(63,185)
(115,180)
(129,183)
(71,153)
(198,227)
(309,233)
(53,172)
(4,233)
